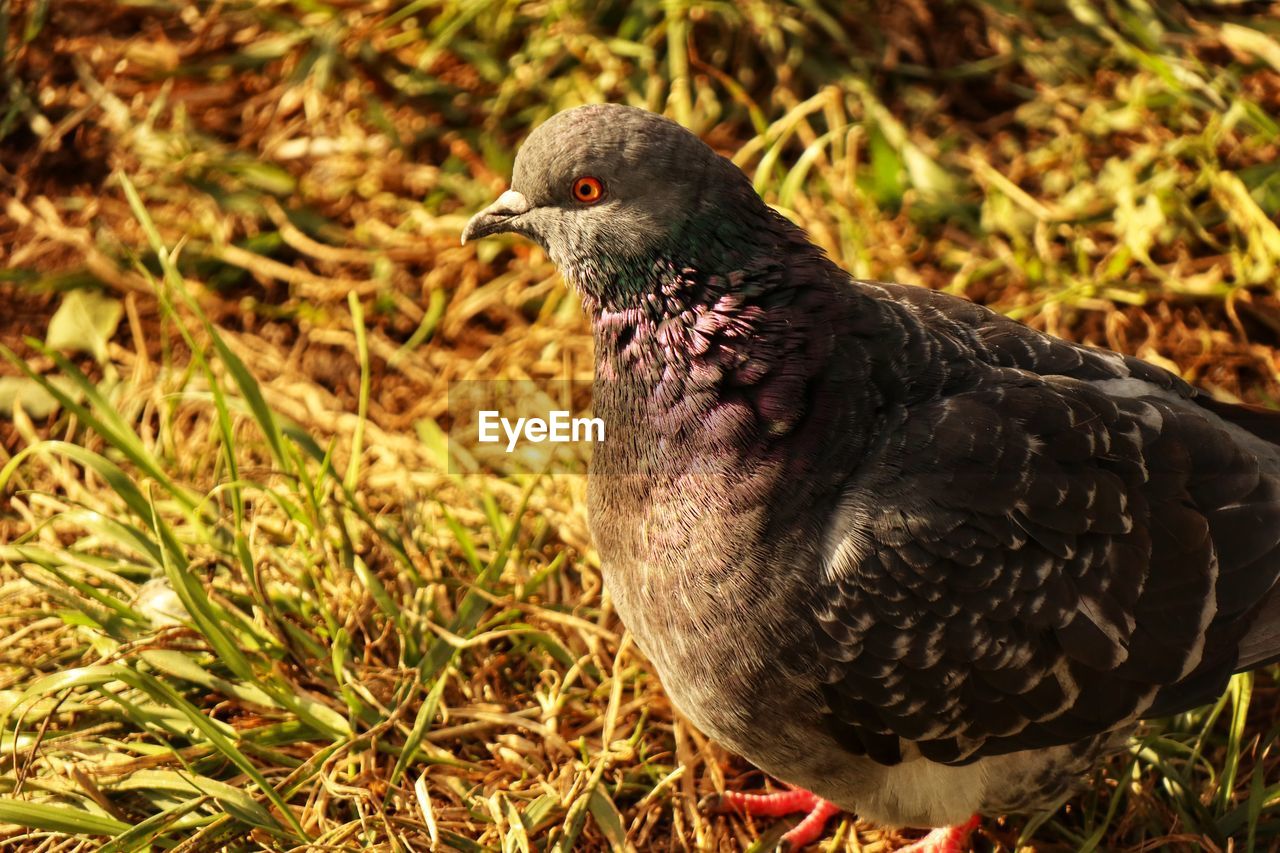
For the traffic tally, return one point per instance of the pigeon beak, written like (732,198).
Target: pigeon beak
(496,218)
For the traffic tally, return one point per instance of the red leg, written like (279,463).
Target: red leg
(777,805)
(810,829)
(948,839)
(764,805)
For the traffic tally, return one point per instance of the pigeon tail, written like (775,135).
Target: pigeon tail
(1263,423)
(1261,646)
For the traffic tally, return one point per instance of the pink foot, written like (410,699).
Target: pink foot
(948,839)
(805,832)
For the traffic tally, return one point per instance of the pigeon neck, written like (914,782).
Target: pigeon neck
(681,316)
(705,348)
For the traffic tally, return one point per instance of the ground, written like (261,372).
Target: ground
(373,652)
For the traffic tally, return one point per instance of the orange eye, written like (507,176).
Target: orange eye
(588,190)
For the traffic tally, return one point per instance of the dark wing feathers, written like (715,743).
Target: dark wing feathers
(1264,423)
(1262,644)
(1008,343)
(1040,562)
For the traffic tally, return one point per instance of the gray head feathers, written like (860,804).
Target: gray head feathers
(653,174)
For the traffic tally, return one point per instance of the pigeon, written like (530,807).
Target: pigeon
(918,561)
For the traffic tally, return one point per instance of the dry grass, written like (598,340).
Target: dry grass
(371,653)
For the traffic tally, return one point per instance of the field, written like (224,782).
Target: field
(244,604)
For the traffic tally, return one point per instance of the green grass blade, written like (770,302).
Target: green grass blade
(102,418)
(142,835)
(54,818)
(215,734)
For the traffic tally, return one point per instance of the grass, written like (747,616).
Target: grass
(244,605)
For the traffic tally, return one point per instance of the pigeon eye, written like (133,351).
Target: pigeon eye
(588,190)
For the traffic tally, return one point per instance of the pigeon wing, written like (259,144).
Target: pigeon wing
(1033,562)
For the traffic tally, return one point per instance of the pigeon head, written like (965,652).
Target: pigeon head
(603,188)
